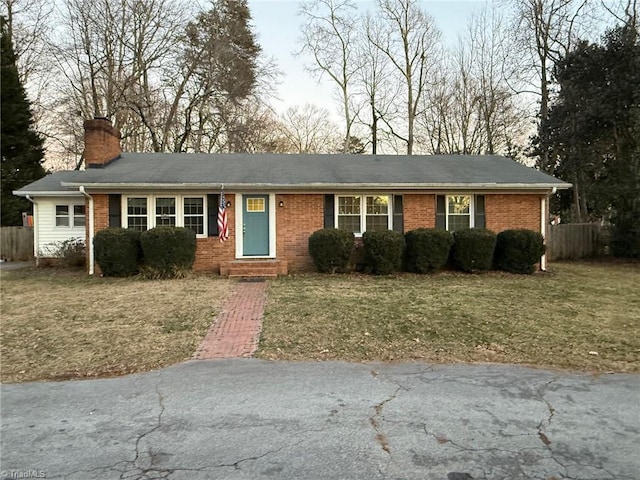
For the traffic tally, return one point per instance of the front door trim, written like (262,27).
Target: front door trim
(239,211)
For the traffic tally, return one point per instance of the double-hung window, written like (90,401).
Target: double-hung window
(165,211)
(62,215)
(137,213)
(363,213)
(457,212)
(70,216)
(145,212)
(194,214)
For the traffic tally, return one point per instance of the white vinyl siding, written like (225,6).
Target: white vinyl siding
(45,222)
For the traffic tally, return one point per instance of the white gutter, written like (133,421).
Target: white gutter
(321,186)
(36,238)
(51,193)
(91,228)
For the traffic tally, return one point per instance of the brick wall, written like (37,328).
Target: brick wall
(419,211)
(303,214)
(297,219)
(504,211)
(211,251)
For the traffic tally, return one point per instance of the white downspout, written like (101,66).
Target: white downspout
(91,227)
(36,238)
(543,226)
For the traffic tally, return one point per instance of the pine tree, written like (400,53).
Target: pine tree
(21,147)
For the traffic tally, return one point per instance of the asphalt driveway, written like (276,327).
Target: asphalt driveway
(253,419)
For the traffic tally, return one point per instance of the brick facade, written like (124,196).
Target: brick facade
(297,219)
(419,211)
(302,214)
(504,211)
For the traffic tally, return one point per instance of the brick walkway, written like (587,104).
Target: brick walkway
(236,330)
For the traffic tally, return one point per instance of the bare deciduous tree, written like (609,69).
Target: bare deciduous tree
(329,35)
(543,31)
(307,129)
(410,40)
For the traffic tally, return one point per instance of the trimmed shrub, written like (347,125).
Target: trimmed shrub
(427,249)
(383,251)
(117,251)
(169,252)
(331,249)
(473,249)
(517,251)
(625,234)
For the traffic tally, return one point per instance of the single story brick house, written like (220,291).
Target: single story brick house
(275,202)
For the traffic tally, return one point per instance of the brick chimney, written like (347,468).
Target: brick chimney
(101,142)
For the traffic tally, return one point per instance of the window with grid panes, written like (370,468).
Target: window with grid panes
(458,212)
(137,213)
(165,212)
(194,214)
(349,209)
(377,213)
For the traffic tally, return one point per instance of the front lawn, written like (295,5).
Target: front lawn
(586,316)
(60,325)
(583,316)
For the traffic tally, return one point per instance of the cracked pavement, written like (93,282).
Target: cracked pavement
(248,419)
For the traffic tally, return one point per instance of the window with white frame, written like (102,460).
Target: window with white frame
(137,213)
(362,213)
(70,216)
(143,213)
(456,212)
(459,212)
(165,211)
(194,214)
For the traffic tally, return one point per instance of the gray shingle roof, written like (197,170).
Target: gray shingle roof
(52,184)
(304,172)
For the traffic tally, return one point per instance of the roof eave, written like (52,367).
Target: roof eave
(317,186)
(47,193)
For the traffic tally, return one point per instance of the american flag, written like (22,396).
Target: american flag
(223,225)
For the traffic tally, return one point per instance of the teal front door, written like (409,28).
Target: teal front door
(255,228)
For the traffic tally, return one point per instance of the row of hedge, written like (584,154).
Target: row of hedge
(426,250)
(161,252)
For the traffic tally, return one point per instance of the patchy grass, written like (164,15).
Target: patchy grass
(57,324)
(583,316)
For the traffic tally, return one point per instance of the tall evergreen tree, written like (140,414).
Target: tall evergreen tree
(594,133)
(21,147)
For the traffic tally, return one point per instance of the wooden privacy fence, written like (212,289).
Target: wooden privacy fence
(16,243)
(575,240)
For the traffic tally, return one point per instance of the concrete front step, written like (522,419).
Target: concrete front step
(253,268)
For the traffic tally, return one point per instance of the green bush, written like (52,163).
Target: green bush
(473,249)
(625,234)
(518,251)
(117,251)
(383,251)
(331,249)
(169,252)
(427,249)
